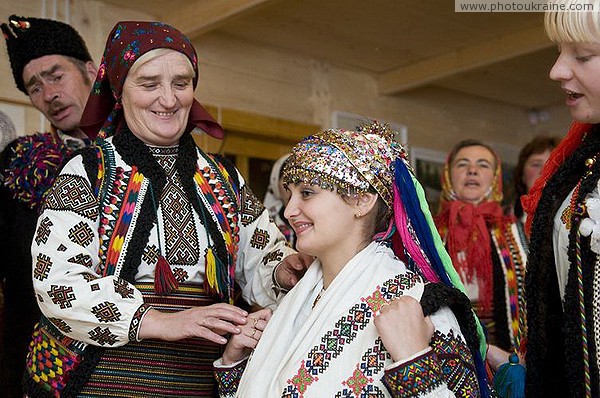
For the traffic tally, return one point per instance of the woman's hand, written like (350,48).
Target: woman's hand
(403,328)
(240,344)
(497,357)
(210,323)
(291,269)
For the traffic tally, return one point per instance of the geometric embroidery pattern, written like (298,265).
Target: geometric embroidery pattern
(455,361)
(89,277)
(82,259)
(62,295)
(43,264)
(252,208)
(260,239)
(179,228)
(61,325)
(343,333)
(180,274)
(419,376)
(357,381)
(151,254)
(72,193)
(94,287)
(371,363)
(43,231)
(61,248)
(49,363)
(81,234)
(275,255)
(106,312)
(123,288)
(228,379)
(102,336)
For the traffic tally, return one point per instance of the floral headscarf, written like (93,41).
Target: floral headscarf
(128,40)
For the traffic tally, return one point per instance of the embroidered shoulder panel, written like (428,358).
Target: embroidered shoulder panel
(73,193)
(345,330)
(252,207)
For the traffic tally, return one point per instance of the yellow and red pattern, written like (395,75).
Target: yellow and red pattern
(123,222)
(215,185)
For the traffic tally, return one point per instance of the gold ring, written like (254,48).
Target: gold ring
(255,322)
(384,304)
(253,332)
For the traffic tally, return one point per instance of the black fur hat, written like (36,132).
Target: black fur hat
(31,38)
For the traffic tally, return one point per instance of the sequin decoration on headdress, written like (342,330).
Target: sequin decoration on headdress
(352,162)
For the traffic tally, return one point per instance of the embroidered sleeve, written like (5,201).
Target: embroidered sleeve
(418,377)
(70,288)
(261,247)
(445,370)
(228,377)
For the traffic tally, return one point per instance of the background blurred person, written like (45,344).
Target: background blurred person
(484,244)
(532,158)
(53,67)
(276,198)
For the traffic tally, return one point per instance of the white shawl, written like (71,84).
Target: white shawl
(338,331)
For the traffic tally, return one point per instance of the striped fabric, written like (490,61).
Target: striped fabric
(155,368)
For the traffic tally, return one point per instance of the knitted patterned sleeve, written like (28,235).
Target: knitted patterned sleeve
(261,247)
(67,277)
(445,369)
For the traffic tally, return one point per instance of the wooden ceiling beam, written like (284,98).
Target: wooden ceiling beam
(464,59)
(206,15)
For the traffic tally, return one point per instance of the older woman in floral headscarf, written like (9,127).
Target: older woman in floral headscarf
(353,326)
(145,240)
(485,245)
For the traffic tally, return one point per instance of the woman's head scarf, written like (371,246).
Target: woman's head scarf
(494,193)
(273,200)
(127,42)
(466,226)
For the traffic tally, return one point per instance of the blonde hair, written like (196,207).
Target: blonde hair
(581,25)
(153,54)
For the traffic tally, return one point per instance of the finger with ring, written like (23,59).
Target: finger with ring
(255,322)
(253,332)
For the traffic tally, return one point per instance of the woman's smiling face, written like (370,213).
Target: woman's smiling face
(157,98)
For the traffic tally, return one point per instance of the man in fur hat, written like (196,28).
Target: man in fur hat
(52,66)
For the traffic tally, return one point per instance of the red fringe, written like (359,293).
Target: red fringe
(164,280)
(565,149)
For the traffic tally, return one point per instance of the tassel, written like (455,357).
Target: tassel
(509,381)
(211,271)
(164,280)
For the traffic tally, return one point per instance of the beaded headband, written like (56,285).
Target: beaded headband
(352,162)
